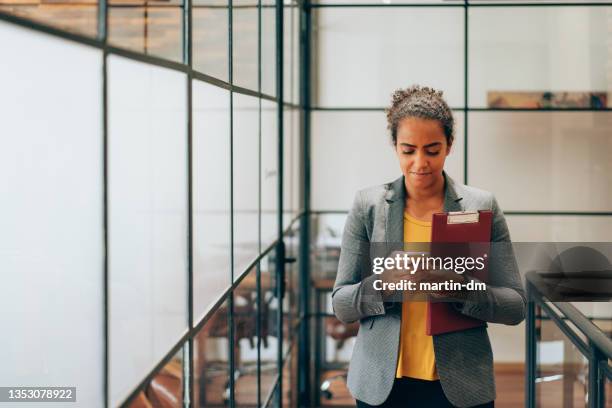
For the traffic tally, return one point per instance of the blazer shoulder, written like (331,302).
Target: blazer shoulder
(477,197)
(374,195)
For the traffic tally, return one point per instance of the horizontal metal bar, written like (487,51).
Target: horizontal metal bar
(458,109)
(561,213)
(126,53)
(510,212)
(358,109)
(370,5)
(457,5)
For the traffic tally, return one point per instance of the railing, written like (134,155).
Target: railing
(568,356)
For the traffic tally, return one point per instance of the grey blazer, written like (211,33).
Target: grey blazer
(464,359)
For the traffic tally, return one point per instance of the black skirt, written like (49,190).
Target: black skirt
(411,392)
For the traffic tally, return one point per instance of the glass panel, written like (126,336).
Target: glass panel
(211,361)
(244,43)
(51,245)
(211,195)
(548,228)
(273,398)
(268,334)
(269,173)
(147,29)
(298,160)
(268,47)
(77,16)
(147,216)
(290,299)
(538,49)
(211,38)
(288,166)
(288,43)
(295,10)
(292,278)
(246,181)
(290,380)
(166,388)
(335,178)
(332,341)
(561,159)
(246,314)
(608,389)
(562,371)
(600,313)
(401,46)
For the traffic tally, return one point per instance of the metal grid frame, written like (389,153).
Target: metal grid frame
(186,66)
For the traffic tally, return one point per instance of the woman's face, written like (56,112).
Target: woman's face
(422,149)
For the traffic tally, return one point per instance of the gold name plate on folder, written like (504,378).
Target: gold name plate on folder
(462,217)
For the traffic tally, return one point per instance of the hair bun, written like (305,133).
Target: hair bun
(400,95)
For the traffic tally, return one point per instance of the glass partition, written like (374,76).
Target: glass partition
(147,217)
(538,49)
(268,334)
(76,16)
(166,388)
(52,217)
(562,371)
(211,360)
(152,27)
(561,159)
(211,180)
(401,46)
(211,38)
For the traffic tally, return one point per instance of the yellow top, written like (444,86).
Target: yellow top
(416,352)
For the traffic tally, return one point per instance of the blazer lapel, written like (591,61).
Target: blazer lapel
(394,211)
(452,196)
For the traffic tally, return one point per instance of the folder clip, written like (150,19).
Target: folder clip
(462,217)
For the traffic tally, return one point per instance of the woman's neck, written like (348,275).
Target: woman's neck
(434,191)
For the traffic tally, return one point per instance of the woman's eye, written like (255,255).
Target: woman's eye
(408,151)
(433,153)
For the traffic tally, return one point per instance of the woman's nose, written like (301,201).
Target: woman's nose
(420,161)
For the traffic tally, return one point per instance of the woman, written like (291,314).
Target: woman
(394,363)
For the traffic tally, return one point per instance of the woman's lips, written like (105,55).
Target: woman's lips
(420,174)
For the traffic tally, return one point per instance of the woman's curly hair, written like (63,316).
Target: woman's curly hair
(420,102)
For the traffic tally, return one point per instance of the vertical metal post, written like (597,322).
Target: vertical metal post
(259,168)
(188,398)
(465,90)
(103,36)
(596,381)
(304,386)
(280,251)
(231,331)
(530,349)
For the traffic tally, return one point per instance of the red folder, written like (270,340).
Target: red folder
(456,228)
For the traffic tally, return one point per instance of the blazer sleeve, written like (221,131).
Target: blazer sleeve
(504,301)
(352,296)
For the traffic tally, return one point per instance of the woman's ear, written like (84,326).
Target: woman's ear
(448,149)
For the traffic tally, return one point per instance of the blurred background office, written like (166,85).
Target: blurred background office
(176,175)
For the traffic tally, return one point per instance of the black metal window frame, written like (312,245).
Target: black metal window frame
(186,341)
